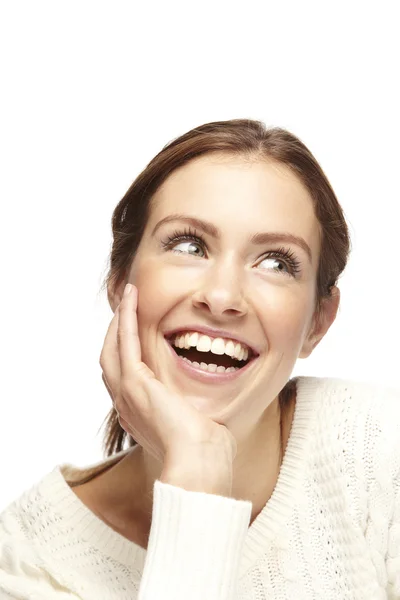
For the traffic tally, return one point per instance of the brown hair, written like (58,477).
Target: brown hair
(241,137)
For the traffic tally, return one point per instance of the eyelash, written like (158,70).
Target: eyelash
(286,255)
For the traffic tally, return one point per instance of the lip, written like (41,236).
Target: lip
(210,331)
(205,376)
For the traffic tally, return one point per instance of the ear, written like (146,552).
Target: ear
(321,323)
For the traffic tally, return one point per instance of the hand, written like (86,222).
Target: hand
(165,424)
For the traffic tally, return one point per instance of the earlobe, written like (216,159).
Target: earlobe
(308,347)
(322,322)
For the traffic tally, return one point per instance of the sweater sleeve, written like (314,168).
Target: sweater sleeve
(393,554)
(195,545)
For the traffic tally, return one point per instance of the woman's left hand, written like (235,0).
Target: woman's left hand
(195,451)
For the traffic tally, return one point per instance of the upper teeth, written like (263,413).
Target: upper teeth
(204,343)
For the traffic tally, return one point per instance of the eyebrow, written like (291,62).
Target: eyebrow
(257,238)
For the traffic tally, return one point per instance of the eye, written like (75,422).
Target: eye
(194,243)
(291,265)
(193,248)
(276,260)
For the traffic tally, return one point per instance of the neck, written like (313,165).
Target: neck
(255,469)
(127,488)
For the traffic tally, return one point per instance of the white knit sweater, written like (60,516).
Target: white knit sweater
(330,531)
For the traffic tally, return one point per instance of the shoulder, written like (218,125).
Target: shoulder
(21,517)
(363,417)
(359,399)
(368,403)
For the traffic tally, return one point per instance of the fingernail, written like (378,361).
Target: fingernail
(127,290)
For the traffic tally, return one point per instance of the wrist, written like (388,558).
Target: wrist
(193,483)
(199,475)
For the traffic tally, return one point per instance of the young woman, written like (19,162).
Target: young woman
(238,482)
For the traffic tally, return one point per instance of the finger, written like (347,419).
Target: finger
(124,424)
(128,335)
(109,357)
(107,386)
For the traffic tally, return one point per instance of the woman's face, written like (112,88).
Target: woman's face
(236,280)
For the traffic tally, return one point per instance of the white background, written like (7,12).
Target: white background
(90,92)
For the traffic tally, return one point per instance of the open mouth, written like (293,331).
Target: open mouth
(209,361)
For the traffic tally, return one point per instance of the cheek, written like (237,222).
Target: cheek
(155,278)
(158,292)
(285,319)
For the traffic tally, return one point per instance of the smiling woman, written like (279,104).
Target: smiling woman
(202,200)
(238,481)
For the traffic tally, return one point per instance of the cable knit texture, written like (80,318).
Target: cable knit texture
(331,529)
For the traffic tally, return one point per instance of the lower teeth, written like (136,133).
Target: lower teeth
(210,368)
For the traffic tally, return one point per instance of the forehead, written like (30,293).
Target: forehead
(240,196)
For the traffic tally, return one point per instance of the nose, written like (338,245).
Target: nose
(221,293)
